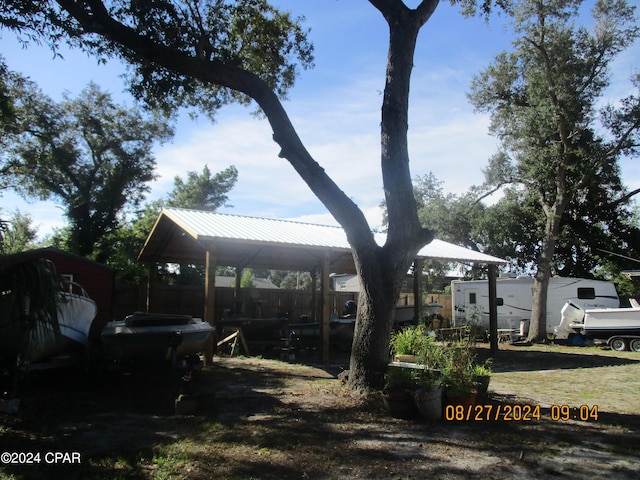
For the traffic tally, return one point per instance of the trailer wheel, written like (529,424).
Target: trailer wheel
(634,345)
(618,344)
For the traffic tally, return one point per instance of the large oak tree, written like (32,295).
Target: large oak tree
(543,97)
(92,155)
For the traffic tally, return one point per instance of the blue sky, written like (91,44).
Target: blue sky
(335,108)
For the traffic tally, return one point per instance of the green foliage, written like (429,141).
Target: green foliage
(89,153)
(483,369)
(126,243)
(400,379)
(451,364)
(291,280)
(36,280)
(542,98)
(7,112)
(459,368)
(409,341)
(18,234)
(232,37)
(203,192)
(248,279)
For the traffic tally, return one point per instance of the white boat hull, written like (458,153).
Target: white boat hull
(609,322)
(600,323)
(75,317)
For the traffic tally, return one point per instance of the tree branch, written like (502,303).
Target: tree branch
(96,19)
(625,198)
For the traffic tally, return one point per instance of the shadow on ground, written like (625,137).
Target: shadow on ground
(270,419)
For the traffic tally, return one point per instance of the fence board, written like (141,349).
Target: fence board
(265,303)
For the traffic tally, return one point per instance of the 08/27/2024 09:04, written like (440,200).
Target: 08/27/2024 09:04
(519,413)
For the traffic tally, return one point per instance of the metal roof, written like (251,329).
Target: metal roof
(203,224)
(183,235)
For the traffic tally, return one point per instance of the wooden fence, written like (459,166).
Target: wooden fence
(251,302)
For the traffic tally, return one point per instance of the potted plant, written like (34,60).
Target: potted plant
(459,376)
(407,343)
(397,395)
(482,374)
(428,395)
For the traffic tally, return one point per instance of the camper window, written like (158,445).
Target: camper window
(499,302)
(587,293)
(472,298)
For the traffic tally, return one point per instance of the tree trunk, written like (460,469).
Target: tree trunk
(382,269)
(538,324)
(381,272)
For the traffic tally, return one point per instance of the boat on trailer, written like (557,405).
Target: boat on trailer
(619,327)
(154,338)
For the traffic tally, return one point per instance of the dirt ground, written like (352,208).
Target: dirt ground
(262,419)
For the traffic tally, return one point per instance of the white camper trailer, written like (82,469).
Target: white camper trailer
(470,300)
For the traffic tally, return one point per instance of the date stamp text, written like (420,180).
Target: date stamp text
(519,413)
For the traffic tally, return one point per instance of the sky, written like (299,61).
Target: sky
(335,108)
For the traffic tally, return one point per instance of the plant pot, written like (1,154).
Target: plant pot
(399,404)
(429,402)
(482,384)
(464,400)
(406,358)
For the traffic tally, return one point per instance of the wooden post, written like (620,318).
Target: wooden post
(150,281)
(326,307)
(493,309)
(418,265)
(210,301)
(236,291)
(238,282)
(313,301)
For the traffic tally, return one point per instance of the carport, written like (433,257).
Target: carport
(213,239)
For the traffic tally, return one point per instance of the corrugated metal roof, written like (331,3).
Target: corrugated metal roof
(441,250)
(201,224)
(217,225)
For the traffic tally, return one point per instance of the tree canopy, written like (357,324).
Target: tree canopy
(543,99)
(203,192)
(90,154)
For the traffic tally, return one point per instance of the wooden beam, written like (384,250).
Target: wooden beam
(493,308)
(150,282)
(314,296)
(210,301)
(325,299)
(418,265)
(237,334)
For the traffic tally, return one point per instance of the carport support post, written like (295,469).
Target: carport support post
(493,308)
(313,305)
(210,302)
(150,282)
(324,287)
(418,265)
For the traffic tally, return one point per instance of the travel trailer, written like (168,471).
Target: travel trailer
(470,300)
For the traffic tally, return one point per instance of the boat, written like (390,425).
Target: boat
(620,327)
(154,338)
(404,314)
(41,316)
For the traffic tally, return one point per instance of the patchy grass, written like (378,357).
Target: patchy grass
(264,419)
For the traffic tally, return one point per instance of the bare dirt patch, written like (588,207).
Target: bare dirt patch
(262,418)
